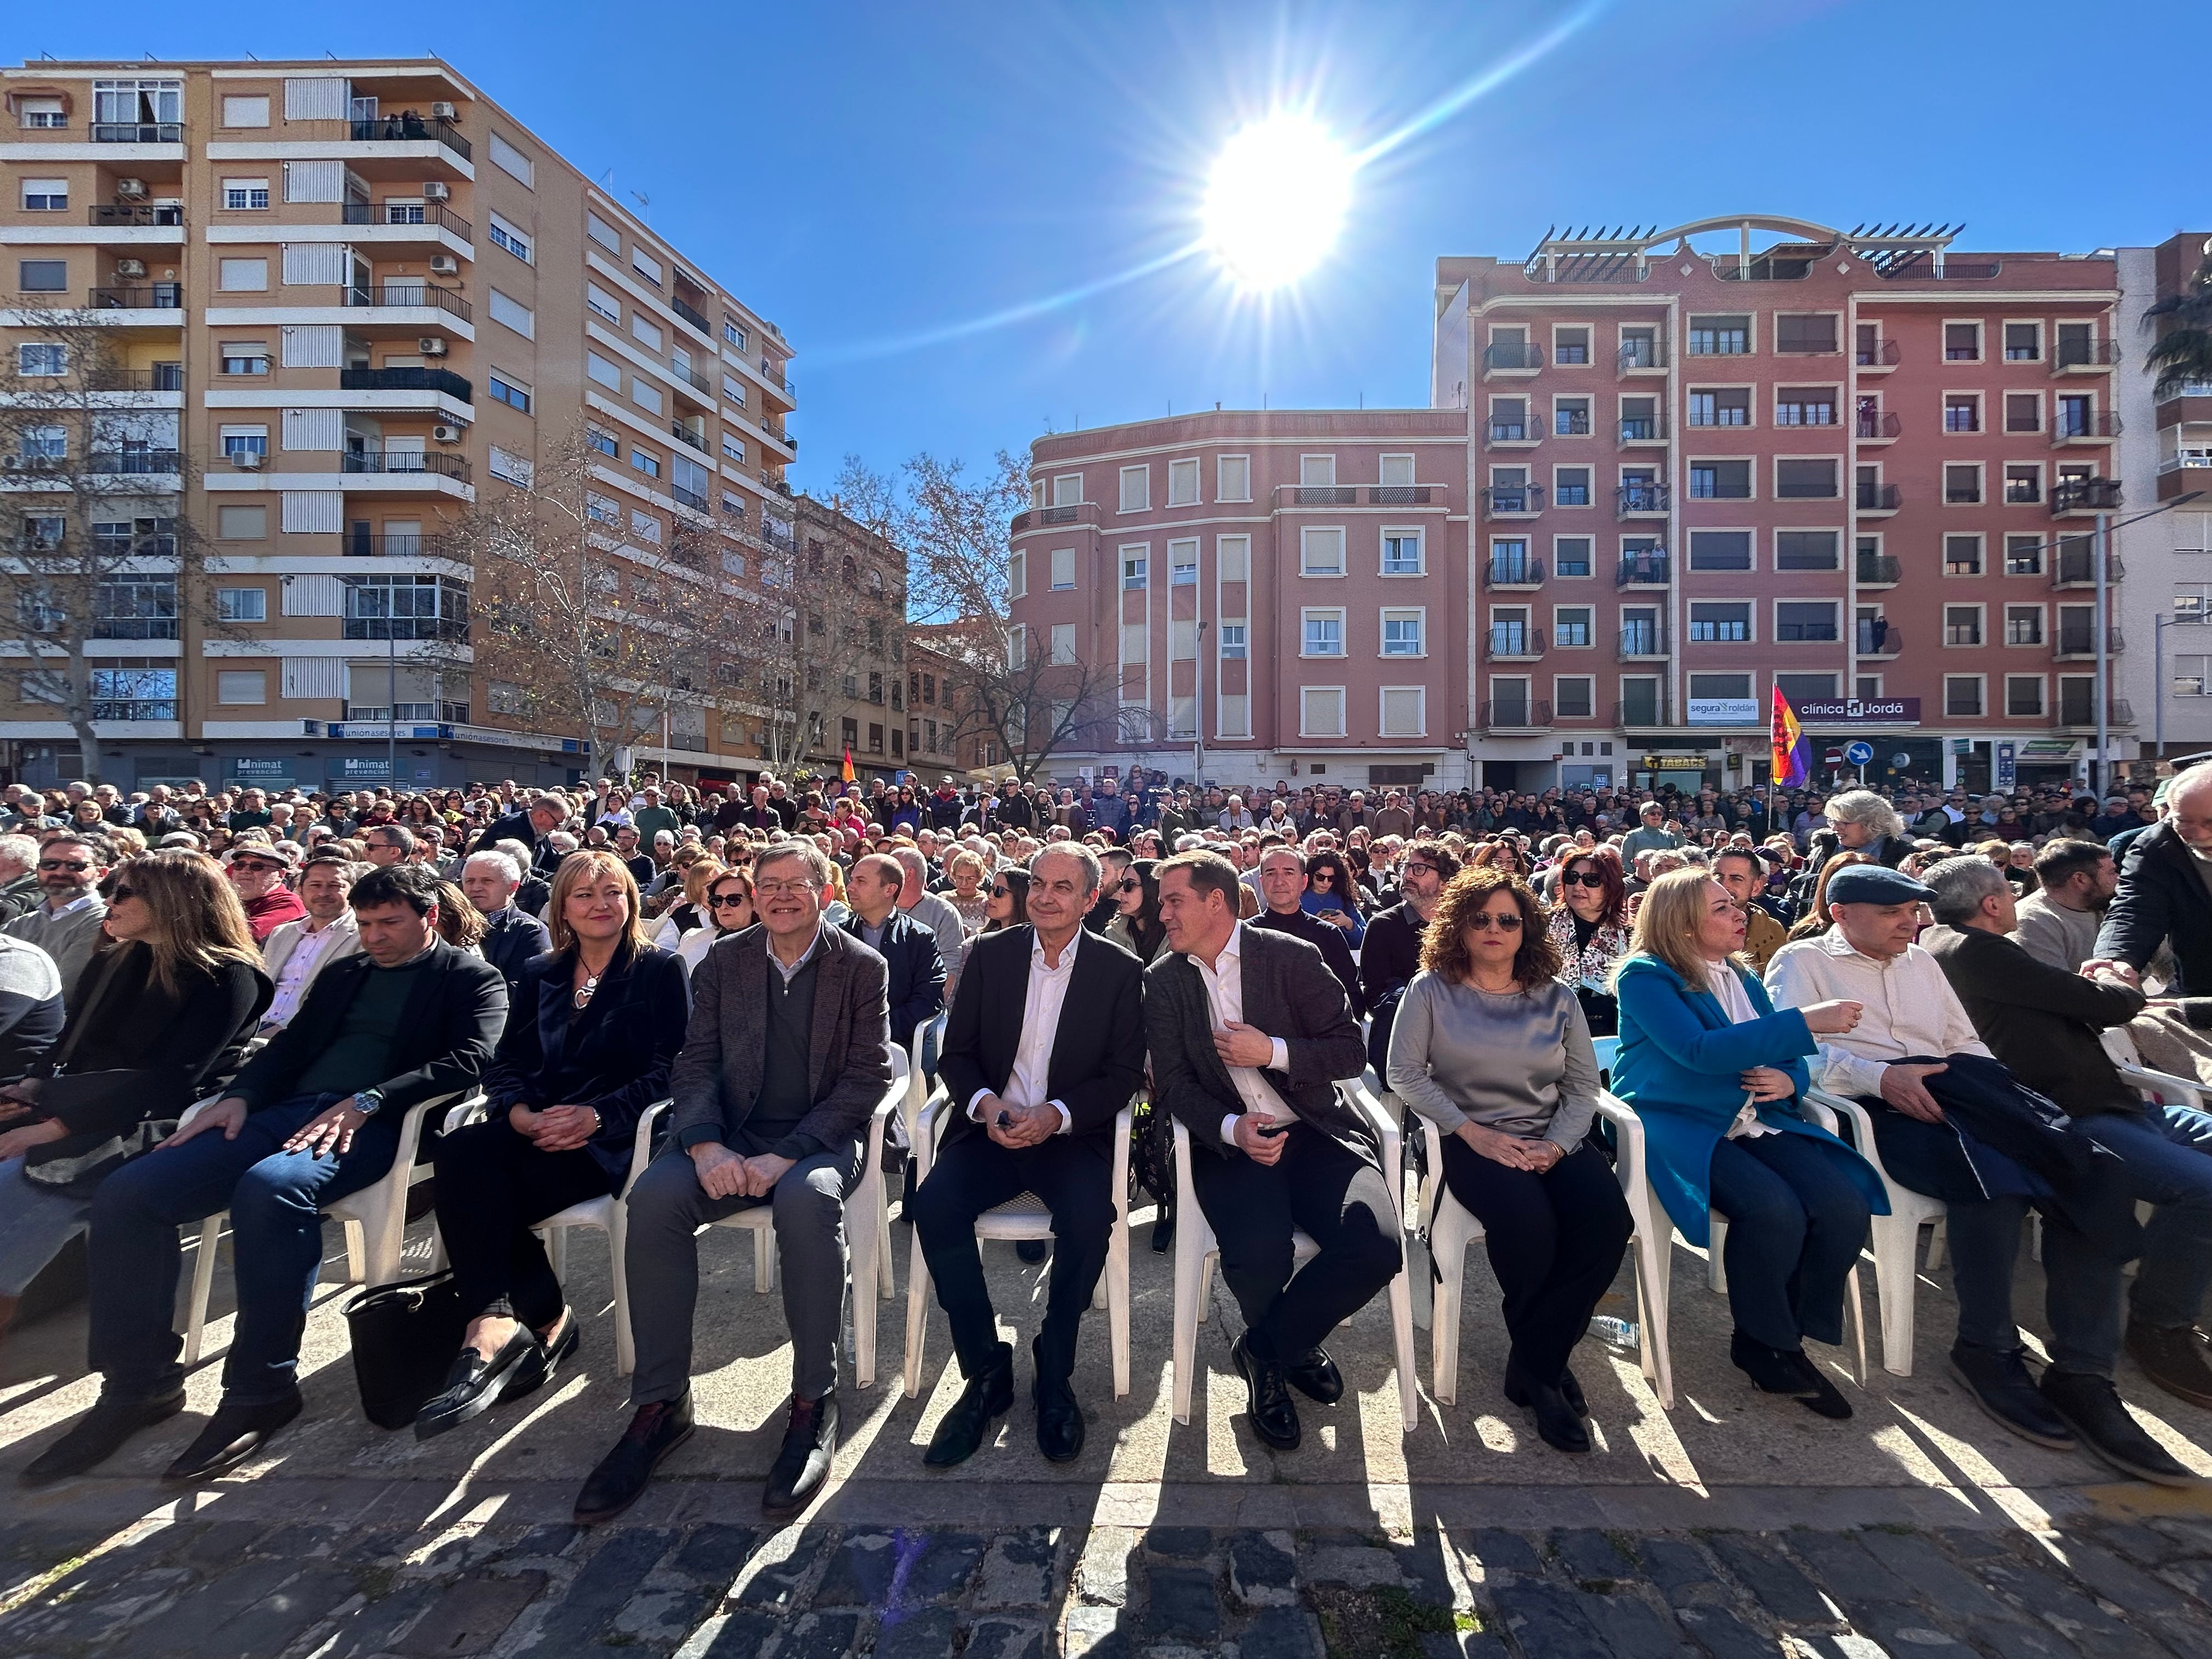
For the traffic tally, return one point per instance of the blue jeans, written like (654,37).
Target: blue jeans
(35,1222)
(2168,1153)
(1797,1223)
(2080,1287)
(276,1247)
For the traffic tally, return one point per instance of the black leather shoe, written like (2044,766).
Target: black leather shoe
(475,1384)
(1316,1377)
(1558,1424)
(1787,1371)
(2108,1429)
(989,1394)
(1059,1419)
(1268,1399)
(1573,1392)
(536,1370)
(98,1435)
(809,1442)
(2001,1385)
(2174,1359)
(657,1430)
(234,1434)
(1522,1392)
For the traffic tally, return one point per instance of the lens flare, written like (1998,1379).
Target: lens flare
(1277,199)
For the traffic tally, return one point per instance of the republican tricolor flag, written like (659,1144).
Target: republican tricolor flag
(1793,749)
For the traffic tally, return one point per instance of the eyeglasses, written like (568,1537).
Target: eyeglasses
(1587,878)
(1411,868)
(774,888)
(1321,876)
(1131,885)
(1484,921)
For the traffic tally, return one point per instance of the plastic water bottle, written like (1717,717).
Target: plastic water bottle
(1620,1333)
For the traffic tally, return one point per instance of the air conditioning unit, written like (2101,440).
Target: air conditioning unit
(437,191)
(247,460)
(444,264)
(130,267)
(447,435)
(444,112)
(130,190)
(431,345)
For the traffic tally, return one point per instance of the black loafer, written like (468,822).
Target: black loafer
(1268,1399)
(1316,1377)
(98,1435)
(234,1434)
(658,1429)
(809,1443)
(475,1384)
(1059,1419)
(2000,1383)
(989,1394)
(1573,1392)
(537,1369)
(1557,1424)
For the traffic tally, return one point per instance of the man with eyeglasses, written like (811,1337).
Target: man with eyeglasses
(67,926)
(258,870)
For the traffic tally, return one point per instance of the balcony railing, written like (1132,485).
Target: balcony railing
(1639,641)
(1882,354)
(2187,388)
(407,460)
(1516,572)
(1642,354)
(1643,570)
(134,709)
(132,462)
(1398,495)
(1876,498)
(1877,424)
(1878,570)
(161,377)
(2083,426)
(1522,431)
(777,377)
(690,314)
(1506,358)
(1642,498)
(138,132)
(696,440)
(2085,496)
(2081,712)
(409,714)
(1877,636)
(1640,713)
(1643,429)
(411,294)
(365,544)
(117,213)
(406,628)
(1515,641)
(693,378)
(1323,495)
(1503,500)
(407,127)
(1919,270)
(134,628)
(2077,567)
(2067,354)
(456,386)
(1514,715)
(153,296)
(407,213)
(690,498)
(2080,641)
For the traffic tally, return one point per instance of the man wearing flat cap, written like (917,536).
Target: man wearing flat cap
(1951,1122)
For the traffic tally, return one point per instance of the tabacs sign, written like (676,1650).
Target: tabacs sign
(1859,711)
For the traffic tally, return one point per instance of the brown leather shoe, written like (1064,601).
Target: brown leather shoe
(2174,1359)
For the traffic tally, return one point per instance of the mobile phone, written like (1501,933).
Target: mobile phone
(1271,1130)
(1005,1119)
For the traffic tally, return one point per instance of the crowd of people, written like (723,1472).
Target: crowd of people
(231,1002)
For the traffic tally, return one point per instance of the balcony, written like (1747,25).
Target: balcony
(388,461)
(409,128)
(138,132)
(1510,433)
(413,296)
(1324,495)
(1876,426)
(456,386)
(690,314)
(363,544)
(776,379)
(1876,499)
(1642,499)
(1040,517)
(1398,495)
(697,440)
(134,628)
(1506,357)
(1514,715)
(1640,713)
(1639,429)
(1516,572)
(2084,356)
(1641,643)
(1651,569)
(1641,357)
(692,378)
(1877,636)
(1877,359)
(1516,643)
(690,498)
(2073,641)
(2080,713)
(161,377)
(2077,567)
(168,213)
(2074,428)
(1877,570)
(2074,497)
(133,463)
(153,296)
(430,214)
(1513,500)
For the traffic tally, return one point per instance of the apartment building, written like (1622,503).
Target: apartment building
(943,736)
(348,301)
(1744,455)
(2165,449)
(844,641)
(1280,594)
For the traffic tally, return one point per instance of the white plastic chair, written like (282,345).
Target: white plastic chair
(1896,1236)
(1196,1251)
(1024,1217)
(917,1093)
(375,1220)
(1653,1240)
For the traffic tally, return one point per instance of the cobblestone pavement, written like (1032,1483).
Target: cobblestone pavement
(2106,1587)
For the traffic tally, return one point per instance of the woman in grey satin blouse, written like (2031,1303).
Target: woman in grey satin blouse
(1491,1049)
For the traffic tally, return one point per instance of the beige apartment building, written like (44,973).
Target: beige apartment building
(346,301)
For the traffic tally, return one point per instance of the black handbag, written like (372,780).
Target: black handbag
(405,1337)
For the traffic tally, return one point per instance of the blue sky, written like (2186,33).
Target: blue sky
(876,177)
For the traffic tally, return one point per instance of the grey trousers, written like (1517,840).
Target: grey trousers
(666,1208)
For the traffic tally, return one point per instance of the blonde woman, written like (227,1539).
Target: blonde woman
(689,912)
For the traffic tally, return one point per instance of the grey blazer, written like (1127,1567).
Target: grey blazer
(717,1077)
(1289,993)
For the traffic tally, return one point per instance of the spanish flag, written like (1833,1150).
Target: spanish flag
(1793,749)
(848,775)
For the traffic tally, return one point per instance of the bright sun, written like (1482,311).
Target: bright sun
(1277,199)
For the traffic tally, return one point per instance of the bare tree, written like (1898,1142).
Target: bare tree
(97,551)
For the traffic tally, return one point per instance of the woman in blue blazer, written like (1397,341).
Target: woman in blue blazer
(1715,1074)
(592,1032)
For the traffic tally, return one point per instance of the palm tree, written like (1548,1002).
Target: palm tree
(2183,351)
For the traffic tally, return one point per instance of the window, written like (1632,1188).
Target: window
(1962,555)
(607,374)
(1063,644)
(1401,552)
(734,448)
(1183,483)
(1810,336)
(2023,625)
(511,313)
(2192,676)
(736,394)
(1570,417)
(2023,555)
(1136,488)
(1805,688)
(512,162)
(48,275)
(1962,624)
(602,303)
(1962,344)
(1401,634)
(1316,471)
(243,275)
(1716,622)
(1962,411)
(244,195)
(1067,489)
(645,265)
(47,113)
(241,605)
(505,233)
(1720,549)
(1232,641)
(1962,693)
(49,196)
(604,509)
(1133,570)
(509,392)
(44,443)
(1719,687)
(241,524)
(242,357)
(644,332)
(1570,555)
(1962,484)
(1063,568)
(1720,481)
(41,358)
(245,112)
(1807,549)
(1395,471)
(2023,411)
(1232,558)
(134,694)
(1719,336)
(510,467)
(1321,552)
(1404,711)
(1324,634)
(735,334)
(2023,482)
(1182,564)
(244,440)
(1570,486)
(641,462)
(603,442)
(1320,711)
(2023,343)
(1805,405)
(1232,478)
(1805,480)
(1572,625)
(241,686)
(2024,694)
(1804,619)
(1570,345)
(1574,697)
(1639,701)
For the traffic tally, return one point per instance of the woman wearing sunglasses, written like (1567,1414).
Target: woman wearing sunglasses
(1491,1046)
(1589,928)
(1136,922)
(1332,895)
(1010,899)
(727,902)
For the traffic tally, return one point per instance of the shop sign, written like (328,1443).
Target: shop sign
(354,768)
(1674,763)
(1723,711)
(1860,711)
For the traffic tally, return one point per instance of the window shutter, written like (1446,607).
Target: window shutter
(318,98)
(311,511)
(314,181)
(314,428)
(1401,711)
(313,596)
(1135,642)
(315,264)
(313,345)
(313,676)
(1063,567)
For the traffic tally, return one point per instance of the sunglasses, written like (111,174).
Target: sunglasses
(723,900)
(1587,878)
(123,890)
(1131,885)
(997,892)
(62,864)
(248,865)
(1483,921)
(1321,876)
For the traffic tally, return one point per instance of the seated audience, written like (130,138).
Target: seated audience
(1589,934)
(1332,895)
(2161,898)
(259,869)
(1741,870)
(67,926)
(915,975)
(1010,898)
(1136,925)
(1283,886)
(2058,921)
(297,952)
(729,909)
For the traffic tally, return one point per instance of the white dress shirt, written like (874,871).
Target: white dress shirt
(1040,1005)
(298,968)
(1735,1002)
(1911,1008)
(1224,994)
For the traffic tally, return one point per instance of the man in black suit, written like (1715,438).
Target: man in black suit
(312,1117)
(916,989)
(1249,1032)
(512,937)
(1282,884)
(1045,1047)
(534,827)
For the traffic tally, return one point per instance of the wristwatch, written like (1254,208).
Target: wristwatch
(368,1101)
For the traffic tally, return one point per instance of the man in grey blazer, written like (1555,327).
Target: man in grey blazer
(1249,1032)
(783,1063)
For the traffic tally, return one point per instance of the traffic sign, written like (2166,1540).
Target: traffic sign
(1835,757)
(1858,754)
